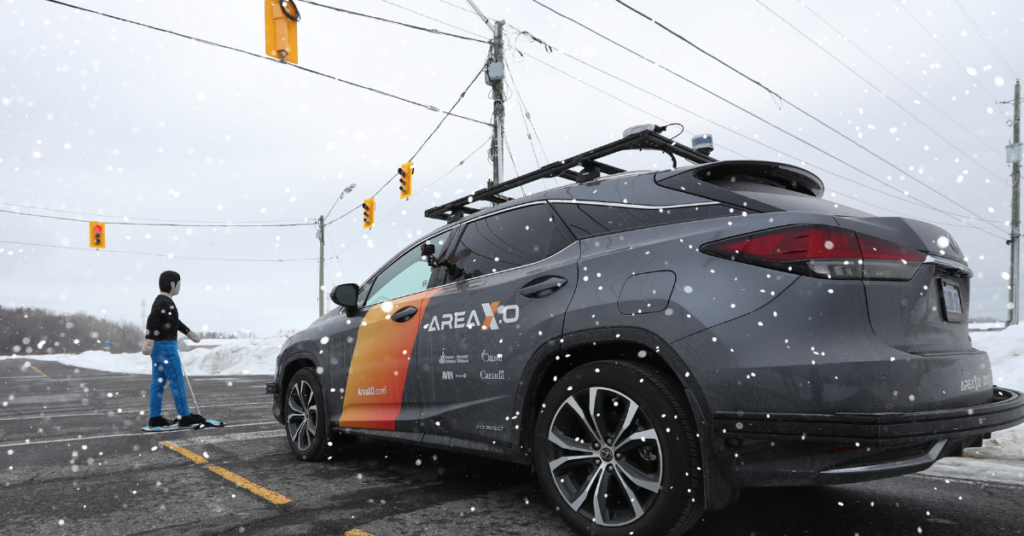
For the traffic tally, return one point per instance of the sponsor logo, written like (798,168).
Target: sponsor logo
(451,375)
(370,391)
(488,358)
(974,383)
(469,320)
(484,375)
(452,359)
(489,427)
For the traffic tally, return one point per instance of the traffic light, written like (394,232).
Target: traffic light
(405,180)
(97,235)
(368,207)
(281,19)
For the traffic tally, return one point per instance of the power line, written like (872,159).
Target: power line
(528,121)
(812,117)
(985,38)
(950,55)
(886,96)
(428,30)
(422,145)
(904,197)
(433,19)
(126,218)
(226,47)
(148,224)
(167,256)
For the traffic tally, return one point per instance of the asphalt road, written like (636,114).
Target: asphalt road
(75,462)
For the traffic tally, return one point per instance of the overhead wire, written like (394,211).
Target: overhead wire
(950,55)
(904,197)
(748,112)
(428,30)
(126,218)
(433,19)
(165,256)
(262,57)
(527,120)
(883,93)
(991,46)
(787,101)
(157,224)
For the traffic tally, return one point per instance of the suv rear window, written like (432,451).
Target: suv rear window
(591,219)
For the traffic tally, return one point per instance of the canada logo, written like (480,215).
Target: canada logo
(509,315)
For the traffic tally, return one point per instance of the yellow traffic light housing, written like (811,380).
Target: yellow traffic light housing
(281,19)
(97,235)
(368,207)
(405,180)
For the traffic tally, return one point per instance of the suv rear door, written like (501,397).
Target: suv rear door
(510,278)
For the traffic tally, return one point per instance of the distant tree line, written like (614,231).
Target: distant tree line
(31,331)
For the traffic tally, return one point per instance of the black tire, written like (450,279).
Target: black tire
(306,417)
(669,504)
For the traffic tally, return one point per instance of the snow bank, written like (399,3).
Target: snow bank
(233,357)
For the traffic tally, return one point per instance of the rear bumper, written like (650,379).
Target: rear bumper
(876,429)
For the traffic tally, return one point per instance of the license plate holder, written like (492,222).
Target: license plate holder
(952,305)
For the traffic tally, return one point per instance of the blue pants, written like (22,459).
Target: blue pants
(167,371)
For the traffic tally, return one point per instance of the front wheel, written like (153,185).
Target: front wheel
(306,417)
(617,453)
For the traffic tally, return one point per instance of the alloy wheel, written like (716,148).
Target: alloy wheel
(302,415)
(606,459)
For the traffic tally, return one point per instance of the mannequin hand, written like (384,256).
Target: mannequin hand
(194,336)
(147,347)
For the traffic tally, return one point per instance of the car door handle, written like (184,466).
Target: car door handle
(545,286)
(404,314)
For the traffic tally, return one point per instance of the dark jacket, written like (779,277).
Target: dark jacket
(163,320)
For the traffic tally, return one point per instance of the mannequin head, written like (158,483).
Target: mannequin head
(170,283)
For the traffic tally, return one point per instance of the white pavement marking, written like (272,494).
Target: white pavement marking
(136,434)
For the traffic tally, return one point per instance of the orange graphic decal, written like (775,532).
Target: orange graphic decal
(380,361)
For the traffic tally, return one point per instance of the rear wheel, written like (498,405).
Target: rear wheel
(306,417)
(617,452)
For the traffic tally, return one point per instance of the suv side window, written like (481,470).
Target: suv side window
(407,275)
(586,219)
(507,240)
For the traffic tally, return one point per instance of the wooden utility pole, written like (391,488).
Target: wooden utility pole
(1013,154)
(495,77)
(320,289)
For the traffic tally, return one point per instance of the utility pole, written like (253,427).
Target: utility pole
(494,76)
(320,289)
(1013,155)
(142,304)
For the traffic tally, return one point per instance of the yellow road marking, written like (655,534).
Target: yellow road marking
(33,367)
(184,452)
(272,496)
(358,532)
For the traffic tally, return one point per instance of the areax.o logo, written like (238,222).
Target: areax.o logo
(491,311)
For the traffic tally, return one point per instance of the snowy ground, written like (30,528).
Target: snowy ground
(233,357)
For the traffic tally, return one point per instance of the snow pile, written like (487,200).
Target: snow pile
(232,357)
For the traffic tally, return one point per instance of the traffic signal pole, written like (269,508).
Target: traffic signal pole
(1013,155)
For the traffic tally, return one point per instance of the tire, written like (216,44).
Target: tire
(306,417)
(661,477)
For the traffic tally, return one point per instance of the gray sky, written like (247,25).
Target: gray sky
(110,120)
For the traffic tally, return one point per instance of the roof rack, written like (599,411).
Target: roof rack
(592,169)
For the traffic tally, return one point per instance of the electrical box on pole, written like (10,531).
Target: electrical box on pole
(281,19)
(97,235)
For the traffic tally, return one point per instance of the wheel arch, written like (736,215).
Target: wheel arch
(620,343)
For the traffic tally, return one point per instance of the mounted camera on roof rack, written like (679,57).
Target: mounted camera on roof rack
(634,139)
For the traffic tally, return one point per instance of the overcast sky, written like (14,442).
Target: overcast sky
(105,120)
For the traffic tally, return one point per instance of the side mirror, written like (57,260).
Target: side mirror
(345,295)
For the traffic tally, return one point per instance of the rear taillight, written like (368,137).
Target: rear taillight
(821,251)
